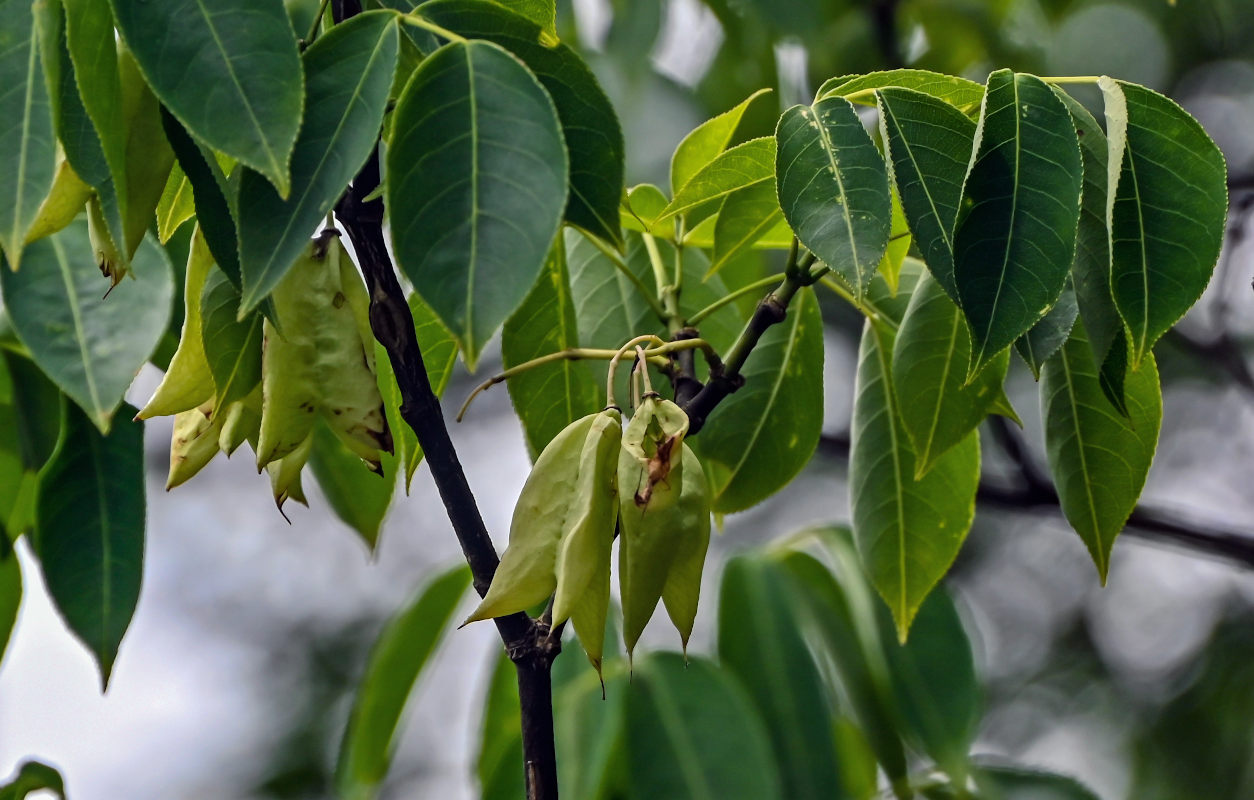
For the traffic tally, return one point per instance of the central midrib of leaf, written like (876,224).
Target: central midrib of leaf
(926,450)
(1091,506)
(248,107)
(945,233)
(27,111)
(106,548)
(1010,231)
(898,483)
(474,199)
(829,150)
(79,334)
(1140,221)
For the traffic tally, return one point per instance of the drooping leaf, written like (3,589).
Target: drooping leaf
(549,397)
(395,664)
(908,531)
(1165,210)
(33,776)
(358,496)
(692,732)
(705,142)
(772,661)
(590,128)
(1046,336)
(833,188)
(27,143)
(748,217)
(232,346)
(1099,459)
(961,93)
(760,437)
(930,354)
(743,165)
(89,531)
(1015,235)
(929,145)
(246,51)
(347,75)
(91,346)
(476,185)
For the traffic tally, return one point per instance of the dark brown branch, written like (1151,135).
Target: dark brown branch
(526,640)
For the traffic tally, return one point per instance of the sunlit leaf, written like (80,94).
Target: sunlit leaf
(743,165)
(963,94)
(705,142)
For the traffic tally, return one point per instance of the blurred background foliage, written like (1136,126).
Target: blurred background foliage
(1144,689)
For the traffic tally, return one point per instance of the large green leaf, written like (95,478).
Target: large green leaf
(549,397)
(1015,236)
(1098,457)
(761,436)
(772,661)
(692,734)
(358,496)
(748,217)
(395,664)
(27,143)
(89,531)
(908,531)
(929,145)
(232,346)
(347,75)
(590,127)
(1165,210)
(743,165)
(245,52)
(833,188)
(930,355)
(961,93)
(705,142)
(476,185)
(88,344)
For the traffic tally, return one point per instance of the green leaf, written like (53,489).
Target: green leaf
(213,208)
(1015,236)
(27,144)
(934,683)
(1165,210)
(693,733)
(176,205)
(358,496)
(590,726)
(705,142)
(348,72)
(542,12)
(90,345)
(760,437)
(232,346)
(930,353)
(1013,783)
(963,94)
(833,188)
(1090,272)
(609,306)
(1099,459)
(746,164)
(908,531)
(1046,336)
(899,240)
(476,184)
(33,776)
(772,661)
(36,408)
(748,217)
(549,397)
(246,51)
(89,531)
(500,759)
(439,355)
(395,664)
(642,206)
(929,145)
(10,592)
(594,140)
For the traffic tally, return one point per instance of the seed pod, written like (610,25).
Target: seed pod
(662,549)
(583,560)
(285,476)
(652,451)
(193,444)
(241,422)
(188,381)
(108,258)
(569,493)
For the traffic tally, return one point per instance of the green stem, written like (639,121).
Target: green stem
(1073,79)
(313,30)
(618,262)
(867,306)
(418,21)
(696,318)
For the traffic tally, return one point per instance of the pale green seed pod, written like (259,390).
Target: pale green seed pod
(193,444)
(188,382)
(569,494)
(652,452)
(583,560)
(285,475)
(691,533)
(241,422)
(108,257)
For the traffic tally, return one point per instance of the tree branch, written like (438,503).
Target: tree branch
(527,641)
